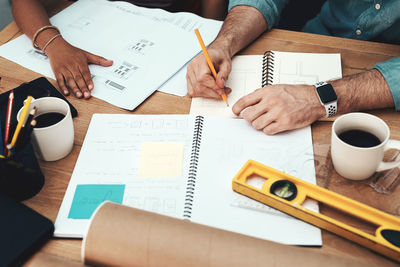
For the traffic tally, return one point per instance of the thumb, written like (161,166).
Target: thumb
(98,60)
(223,74)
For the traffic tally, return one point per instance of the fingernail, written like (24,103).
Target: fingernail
(90,87)
(65,92)
(78,94)
(87,94)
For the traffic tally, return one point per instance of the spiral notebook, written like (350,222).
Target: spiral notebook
(182,166)
(250,72)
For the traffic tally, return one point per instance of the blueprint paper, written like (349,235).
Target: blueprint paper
(148,46)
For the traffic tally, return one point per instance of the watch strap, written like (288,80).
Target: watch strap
(331,107)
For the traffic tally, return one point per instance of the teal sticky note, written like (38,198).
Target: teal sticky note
(89,196)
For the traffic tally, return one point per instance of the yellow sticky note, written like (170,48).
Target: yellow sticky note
(161,159)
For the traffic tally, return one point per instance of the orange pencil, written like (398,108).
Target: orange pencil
(210,64)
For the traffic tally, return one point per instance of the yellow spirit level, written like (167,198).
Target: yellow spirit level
(288,194)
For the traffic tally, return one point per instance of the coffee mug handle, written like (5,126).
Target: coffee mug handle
(383,166)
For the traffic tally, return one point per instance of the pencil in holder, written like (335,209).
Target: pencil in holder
(20,174)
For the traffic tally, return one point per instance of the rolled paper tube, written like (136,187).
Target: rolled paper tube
(125,236)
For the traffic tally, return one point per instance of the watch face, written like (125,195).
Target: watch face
(326,93)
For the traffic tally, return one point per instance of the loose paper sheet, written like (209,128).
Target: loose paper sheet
(148,46)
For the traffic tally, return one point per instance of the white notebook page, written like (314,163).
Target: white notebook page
(111,154)
(225,147)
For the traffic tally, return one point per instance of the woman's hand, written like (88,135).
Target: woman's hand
(71,67)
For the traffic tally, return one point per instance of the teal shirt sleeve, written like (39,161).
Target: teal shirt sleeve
(271,9)
(390,70)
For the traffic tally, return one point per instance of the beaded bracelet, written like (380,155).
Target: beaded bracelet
(35,36)
(49,42)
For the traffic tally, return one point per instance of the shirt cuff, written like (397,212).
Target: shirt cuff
(390,70)
(270,9)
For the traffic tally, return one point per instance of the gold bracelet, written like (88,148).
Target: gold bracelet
(49,42)
(41,30)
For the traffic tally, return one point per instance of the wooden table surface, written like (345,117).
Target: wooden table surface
(356,56)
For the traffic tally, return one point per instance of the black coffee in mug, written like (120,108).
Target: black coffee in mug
(359,138)
(48,119)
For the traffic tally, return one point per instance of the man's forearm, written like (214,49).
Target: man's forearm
(363,91)
(242,26)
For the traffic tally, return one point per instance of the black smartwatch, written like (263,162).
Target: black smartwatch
(327,97)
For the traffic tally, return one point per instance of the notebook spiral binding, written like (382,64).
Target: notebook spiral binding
(268,68)
(194,158)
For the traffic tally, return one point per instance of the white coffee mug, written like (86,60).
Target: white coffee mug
(55,141)
(358,163)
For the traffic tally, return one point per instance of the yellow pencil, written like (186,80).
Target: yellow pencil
(21,122)
(210,64)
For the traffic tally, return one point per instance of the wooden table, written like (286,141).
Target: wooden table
(357,56)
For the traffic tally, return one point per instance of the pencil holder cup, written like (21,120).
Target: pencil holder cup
(53,135)
(20,174)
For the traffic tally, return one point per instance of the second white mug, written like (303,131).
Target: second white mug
(353,161)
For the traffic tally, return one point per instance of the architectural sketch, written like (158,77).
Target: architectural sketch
(124,70)
(142,46)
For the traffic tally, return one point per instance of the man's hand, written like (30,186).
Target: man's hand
(242,25)
(277,108)
(70,66)
(200,81)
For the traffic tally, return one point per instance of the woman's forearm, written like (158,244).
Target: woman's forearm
(30,16)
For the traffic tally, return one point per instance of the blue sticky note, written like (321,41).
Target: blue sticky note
(89,196)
